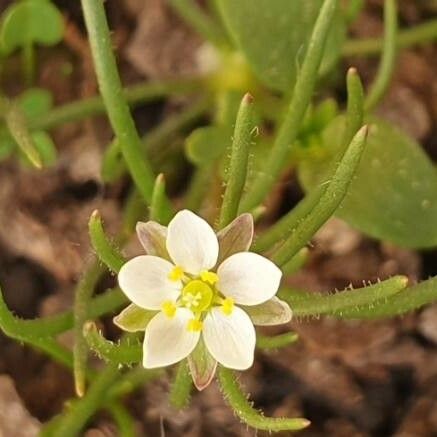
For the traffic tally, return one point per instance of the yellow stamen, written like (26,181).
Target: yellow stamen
(209,277)
(169,309)
(228,306)
(176,274)
(194,325)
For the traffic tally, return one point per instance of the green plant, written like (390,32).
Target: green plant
(337,155)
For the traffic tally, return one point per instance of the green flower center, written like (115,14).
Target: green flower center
(197,296)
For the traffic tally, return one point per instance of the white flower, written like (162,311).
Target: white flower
(194,298)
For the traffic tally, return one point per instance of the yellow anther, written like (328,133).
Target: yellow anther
(169,309)
(209,277)
(176,274)
(194,325)
(228,306)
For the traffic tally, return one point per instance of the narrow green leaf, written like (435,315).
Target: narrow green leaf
(407,300)
(244,410)
(105,250)
(314,304)
(180,391)
(12,327)
(302,92)
(328,202)
(355,106)
(387,64)
(286,224)
(46,147)
(276,341)
(16,123)
(83,293)
(420,34)
(109,351)
(297,262)
(238,165)
(115,103)
(158,206)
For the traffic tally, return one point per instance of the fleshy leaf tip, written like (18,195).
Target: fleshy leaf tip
(248,99)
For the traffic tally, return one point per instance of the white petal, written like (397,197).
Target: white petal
(167,340)
(273,312)
(230,339)
(249,278)
(144,280)
(191,242)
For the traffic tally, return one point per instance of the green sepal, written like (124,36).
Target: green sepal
(202,366)
(273,312)
(236,237)
(133,318)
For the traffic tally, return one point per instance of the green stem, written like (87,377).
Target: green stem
(276,341)
(83,293)
(155,143)
(328,202)
(81,412)
(105,250)
(28,60)
(112,94)
(302,93)
(116,388)
(244,410)
(134,95)
(386,66)
(238,164)
(420,34)
(181,388)
(136,377)
(123,419)
(202,23)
